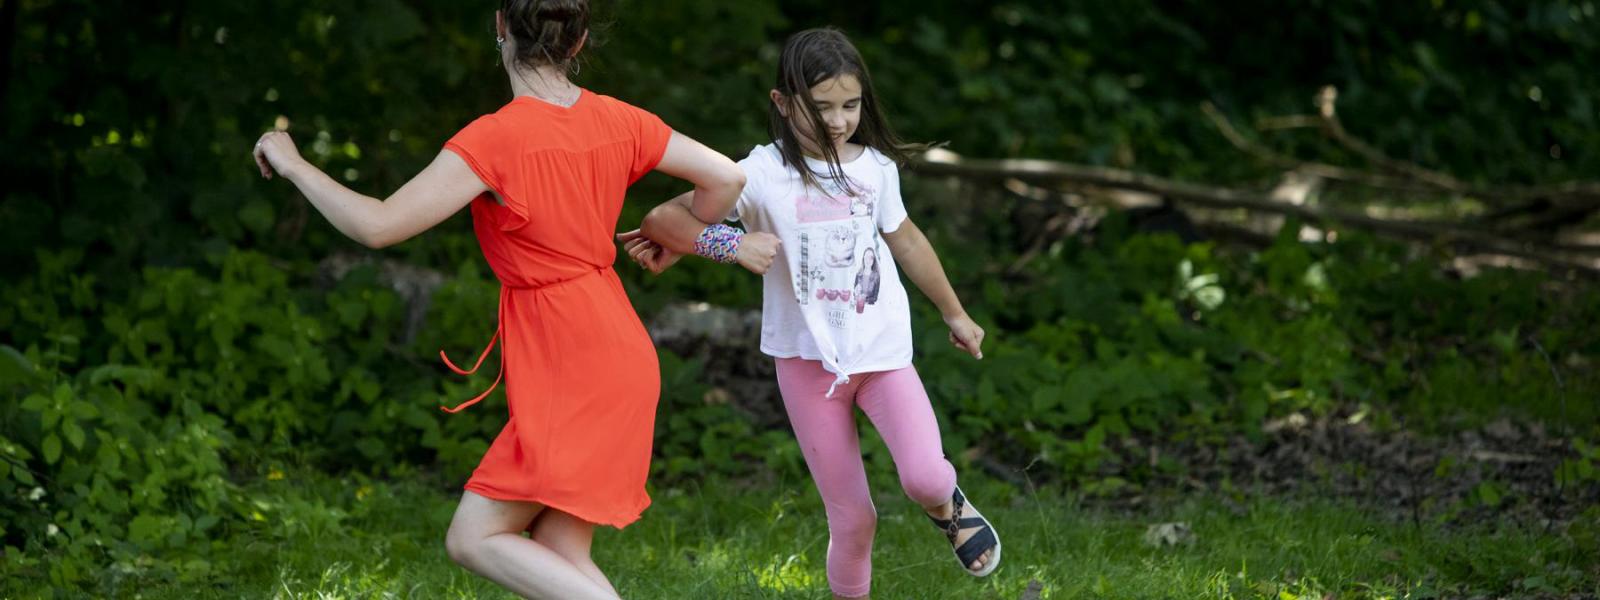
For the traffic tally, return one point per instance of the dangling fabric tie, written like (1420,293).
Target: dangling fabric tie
(498,329)
(837,381)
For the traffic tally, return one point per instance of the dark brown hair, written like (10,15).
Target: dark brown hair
(811,57)
(546,32)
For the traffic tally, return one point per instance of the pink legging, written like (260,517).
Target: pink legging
(826,429)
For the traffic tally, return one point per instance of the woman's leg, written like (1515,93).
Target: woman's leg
(569,537)
(826,430)
(486,537)
(898,406)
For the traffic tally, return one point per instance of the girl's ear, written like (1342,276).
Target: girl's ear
(499,24)
(778,101)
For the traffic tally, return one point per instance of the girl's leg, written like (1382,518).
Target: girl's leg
(826,430)
(486,537)
(569,537)
(898,406)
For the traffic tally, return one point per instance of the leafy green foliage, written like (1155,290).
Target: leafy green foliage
(163,337)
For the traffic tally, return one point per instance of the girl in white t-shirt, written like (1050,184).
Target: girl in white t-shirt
(827,227)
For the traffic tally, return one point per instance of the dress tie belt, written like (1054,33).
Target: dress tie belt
(498,331)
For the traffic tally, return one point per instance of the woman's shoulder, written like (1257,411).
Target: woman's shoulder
(613,105)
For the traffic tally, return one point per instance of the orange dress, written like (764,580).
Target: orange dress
(580,371)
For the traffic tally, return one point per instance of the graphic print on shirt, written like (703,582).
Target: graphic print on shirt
(844,228)
(802,278)
(842,247)
(867,280)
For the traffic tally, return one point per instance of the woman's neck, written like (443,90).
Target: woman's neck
(545,82)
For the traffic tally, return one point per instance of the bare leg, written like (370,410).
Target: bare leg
(569,537)
(486,537)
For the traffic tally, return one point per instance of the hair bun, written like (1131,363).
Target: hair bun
(559,10)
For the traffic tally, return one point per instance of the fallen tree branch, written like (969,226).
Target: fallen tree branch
(1055,174)
(1324,170)
(1572,193)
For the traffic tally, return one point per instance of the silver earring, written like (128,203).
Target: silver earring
(499,44)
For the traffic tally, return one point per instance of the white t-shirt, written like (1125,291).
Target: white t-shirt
(833,294)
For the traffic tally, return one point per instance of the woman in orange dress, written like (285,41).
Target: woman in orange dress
(545,176)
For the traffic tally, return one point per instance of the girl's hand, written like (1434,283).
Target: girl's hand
(966,335)
(648,254)
(757,250)
(276,152)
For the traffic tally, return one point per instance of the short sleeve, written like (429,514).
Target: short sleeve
(755,182)
(891,209)
(478,143)
(651,135)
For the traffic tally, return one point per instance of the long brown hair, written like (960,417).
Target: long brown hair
(811,57)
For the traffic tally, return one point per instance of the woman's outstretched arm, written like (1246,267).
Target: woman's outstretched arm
(441,189)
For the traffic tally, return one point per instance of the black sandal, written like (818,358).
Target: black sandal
(982,541)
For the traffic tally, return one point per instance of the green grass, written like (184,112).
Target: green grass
(316,539)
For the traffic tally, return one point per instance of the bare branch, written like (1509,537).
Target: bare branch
(1572,193)
(1324,170)
(1055,174)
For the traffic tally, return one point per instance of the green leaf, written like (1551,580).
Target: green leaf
(1077,409)
(372,448)
(205,522)
(74,434)
(1046,399)
(84,410)
(144,527)
(15,368)
(51,448)
(135,376)
(1489,493)
(257,216)
(1095,437)
(35,402)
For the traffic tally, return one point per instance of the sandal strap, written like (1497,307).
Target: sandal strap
(975,546)
(952,528)
(970,522)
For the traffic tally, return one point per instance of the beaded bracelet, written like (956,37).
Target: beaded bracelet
(719,243)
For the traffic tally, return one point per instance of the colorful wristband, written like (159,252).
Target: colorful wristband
(719,243)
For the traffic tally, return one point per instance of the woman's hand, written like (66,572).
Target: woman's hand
(966,335)
(648,254)
(275,152)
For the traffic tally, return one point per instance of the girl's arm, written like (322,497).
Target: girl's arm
(674,226)
(441,189)
(917,258)
(671,230)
